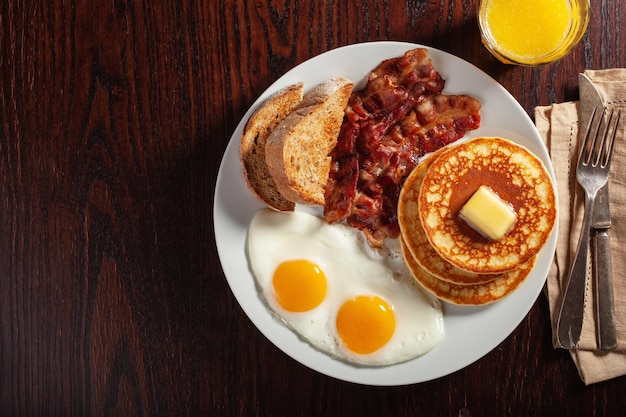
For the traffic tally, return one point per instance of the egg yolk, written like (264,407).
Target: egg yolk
(365,323)
(299,285)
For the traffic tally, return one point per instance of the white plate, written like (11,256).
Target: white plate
(471,332)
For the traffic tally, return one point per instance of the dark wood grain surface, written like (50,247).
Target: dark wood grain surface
(114,116)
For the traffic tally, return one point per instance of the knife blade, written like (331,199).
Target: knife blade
(600,239)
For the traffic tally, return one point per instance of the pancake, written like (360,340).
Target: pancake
(415,238)
(476,294)
(512,172)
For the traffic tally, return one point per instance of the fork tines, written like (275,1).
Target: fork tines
(597,124)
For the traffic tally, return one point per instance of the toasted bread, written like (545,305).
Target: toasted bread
(297,150)
(253,141)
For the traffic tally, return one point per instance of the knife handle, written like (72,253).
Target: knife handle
(602,272)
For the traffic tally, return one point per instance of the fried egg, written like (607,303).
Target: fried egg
(345,298)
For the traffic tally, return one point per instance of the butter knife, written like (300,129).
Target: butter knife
(600,240)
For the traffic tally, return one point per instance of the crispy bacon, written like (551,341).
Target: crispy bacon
(398,117)
(392,89)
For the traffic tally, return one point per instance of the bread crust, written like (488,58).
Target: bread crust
(253,145)
(297,151)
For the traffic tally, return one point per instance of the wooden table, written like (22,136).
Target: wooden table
(114,117)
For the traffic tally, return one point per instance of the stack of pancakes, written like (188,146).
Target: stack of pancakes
(446,255)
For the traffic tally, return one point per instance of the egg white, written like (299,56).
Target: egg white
(352,268)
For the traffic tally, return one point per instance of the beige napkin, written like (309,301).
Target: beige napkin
(558,124)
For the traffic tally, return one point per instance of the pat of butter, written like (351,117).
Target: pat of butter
(488,214)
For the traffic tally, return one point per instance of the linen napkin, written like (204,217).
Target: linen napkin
(558,125)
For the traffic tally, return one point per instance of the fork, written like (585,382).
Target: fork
(592,173)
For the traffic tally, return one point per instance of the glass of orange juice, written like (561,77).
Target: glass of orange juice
(532,32)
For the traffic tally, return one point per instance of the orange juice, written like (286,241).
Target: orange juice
(532,31)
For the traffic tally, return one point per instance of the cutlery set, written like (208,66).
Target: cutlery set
(592,173)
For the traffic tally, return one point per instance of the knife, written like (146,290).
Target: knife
(600,240)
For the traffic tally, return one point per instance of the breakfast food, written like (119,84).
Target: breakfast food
(437,275)
(398,117)
(252,150)
(415,239)
(364,282)
(488,214)
(345,298)
(297,150)
(468,294)
(512,172)
(439,188)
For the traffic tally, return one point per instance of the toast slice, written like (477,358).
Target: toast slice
(297,151)
(253,142)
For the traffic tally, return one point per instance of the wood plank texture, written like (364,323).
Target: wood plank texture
(114,116)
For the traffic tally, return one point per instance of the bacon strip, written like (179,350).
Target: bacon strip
(399,116)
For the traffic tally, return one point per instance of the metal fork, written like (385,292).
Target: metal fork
(592,173)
